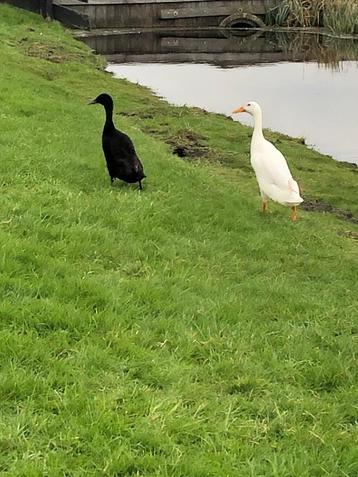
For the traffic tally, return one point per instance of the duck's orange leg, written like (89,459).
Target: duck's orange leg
(293,216)
(264,206)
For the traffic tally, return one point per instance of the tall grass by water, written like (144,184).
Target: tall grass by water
(297,13)
(339,16)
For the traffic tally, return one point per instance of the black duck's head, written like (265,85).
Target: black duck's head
(103,99)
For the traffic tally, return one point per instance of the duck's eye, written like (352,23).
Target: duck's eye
(249,104)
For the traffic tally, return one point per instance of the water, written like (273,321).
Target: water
(306,85)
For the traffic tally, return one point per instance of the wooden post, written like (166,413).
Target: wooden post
(46,8)
(49,9)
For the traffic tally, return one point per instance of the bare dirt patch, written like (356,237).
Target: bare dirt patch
(316,205)
(53,53)
(188,143)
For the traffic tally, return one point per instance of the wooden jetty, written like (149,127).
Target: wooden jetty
(154,13)
(53,9)
(171,13)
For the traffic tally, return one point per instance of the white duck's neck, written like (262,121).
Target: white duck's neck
(257,134)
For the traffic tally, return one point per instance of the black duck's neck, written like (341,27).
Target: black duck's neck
(109,117)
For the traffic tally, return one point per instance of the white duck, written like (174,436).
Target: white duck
(272,173)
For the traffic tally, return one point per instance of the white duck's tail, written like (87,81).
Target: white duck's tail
(295,197)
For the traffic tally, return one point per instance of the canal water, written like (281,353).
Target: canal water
(307,84)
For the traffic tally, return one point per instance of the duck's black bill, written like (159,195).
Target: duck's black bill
(92,102)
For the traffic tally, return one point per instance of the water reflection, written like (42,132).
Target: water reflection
(220,47)
(307,84)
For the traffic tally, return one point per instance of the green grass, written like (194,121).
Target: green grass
(298,13)
(174,332)
(337,16)
(342,17)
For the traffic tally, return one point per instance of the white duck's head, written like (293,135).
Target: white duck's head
(251,107)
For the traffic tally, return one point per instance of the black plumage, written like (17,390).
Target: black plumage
(121,157)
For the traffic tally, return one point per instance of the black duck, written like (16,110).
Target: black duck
(121,157)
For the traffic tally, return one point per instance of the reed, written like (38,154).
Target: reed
(297,13)
(339,16)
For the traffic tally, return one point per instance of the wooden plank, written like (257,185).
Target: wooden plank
(246,5)
(32,5)
(67,3)
(39,6)
(207,12)
(154,14)
(70,17)
(216,45)
(223,59)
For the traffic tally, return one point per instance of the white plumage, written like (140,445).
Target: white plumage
(272,172)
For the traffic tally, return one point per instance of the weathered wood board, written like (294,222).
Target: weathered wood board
(165,13)
(145,13)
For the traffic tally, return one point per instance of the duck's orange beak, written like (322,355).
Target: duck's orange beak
(239,110)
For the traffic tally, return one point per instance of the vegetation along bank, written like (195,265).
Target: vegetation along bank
(337,16)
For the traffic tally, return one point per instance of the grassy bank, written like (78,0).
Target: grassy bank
(338,16)
(174,332)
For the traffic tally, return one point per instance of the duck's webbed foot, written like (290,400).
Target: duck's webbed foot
(294,215)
